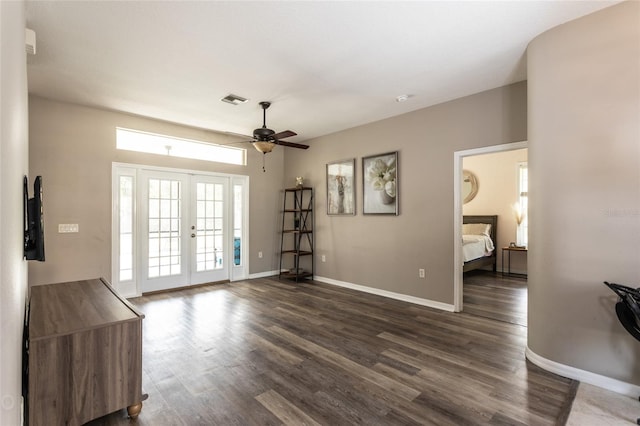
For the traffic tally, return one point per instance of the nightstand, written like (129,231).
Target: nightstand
(509,250)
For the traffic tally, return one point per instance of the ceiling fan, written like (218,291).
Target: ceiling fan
(265,139)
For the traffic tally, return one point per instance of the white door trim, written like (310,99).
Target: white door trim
(457,211)
(132,288)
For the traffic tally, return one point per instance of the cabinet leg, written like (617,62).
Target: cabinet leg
(134,410)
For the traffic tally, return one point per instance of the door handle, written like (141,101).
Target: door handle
(193,235)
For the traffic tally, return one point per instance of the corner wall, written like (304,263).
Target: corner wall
(13,166)
(584,159)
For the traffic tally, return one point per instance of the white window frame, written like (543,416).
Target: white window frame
(154,143)
(128,287)
(241,272)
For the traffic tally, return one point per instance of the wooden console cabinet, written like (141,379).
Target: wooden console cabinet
(84,353)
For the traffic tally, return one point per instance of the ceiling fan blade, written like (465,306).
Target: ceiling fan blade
(242,135)
(291,144)
(237,142)
(285,134)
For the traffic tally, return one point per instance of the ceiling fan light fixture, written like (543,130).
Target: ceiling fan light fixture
(263,146)
(234,99)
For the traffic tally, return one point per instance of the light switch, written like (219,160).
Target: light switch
(65,228)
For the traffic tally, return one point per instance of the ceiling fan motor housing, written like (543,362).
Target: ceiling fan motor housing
(263,134)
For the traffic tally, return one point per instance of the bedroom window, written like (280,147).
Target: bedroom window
(523,205)
(151,143)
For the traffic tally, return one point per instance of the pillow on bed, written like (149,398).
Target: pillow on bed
(476,229)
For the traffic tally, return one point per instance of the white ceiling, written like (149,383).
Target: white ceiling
(325,66)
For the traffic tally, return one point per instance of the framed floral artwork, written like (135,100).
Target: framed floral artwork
(380,184)
(341,194)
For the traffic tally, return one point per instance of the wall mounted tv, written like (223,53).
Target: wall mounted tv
(33,221)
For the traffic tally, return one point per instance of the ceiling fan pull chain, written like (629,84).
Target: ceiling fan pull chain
(263,169)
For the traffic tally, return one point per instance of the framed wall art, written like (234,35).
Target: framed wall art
(341,195)
(380,184)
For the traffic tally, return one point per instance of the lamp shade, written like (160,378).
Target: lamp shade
(264,147)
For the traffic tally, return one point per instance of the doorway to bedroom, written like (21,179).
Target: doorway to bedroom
(491,267)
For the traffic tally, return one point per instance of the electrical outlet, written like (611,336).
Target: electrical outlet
(421,273)
(259,255)
(324,258)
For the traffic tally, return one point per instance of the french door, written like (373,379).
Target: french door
(186,229)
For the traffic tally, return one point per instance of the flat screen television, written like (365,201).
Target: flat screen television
(33,221)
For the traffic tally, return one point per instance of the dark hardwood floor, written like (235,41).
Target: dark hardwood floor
(491,295)
(265,352)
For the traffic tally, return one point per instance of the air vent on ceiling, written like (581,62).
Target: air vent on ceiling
(234,99)
(30,41)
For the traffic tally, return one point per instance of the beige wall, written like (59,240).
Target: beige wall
(385,252)
(497,175)
(73,148)
(584,149)
(13,166)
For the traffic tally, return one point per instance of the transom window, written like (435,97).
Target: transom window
(151,143)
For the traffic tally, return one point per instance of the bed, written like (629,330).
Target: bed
(479,237)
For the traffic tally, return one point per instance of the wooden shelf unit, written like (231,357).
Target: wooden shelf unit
(296,240)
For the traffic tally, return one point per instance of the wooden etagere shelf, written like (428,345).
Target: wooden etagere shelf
(296,241)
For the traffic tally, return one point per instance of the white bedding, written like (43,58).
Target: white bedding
(476,246)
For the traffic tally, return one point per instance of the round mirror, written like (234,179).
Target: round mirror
(469,186)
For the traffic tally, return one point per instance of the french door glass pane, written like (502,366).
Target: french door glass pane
(209,219)
(164,228)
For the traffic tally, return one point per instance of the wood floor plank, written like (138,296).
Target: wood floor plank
(288,413)
(344,363)
(272,350)
(268,352)
(493,295)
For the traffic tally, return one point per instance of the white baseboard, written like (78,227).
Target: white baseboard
(263,274)
(604,382)
(515,271)
(391,295)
